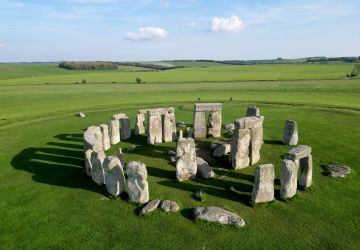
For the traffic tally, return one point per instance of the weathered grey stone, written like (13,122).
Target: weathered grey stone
(82,115)
(306,166)
(263,189)
(218,215)
(88,165)
(214,124)
(138,187)
(181,124)
(105,136)
(171,153)
(202,107)
(298,152)
(114,175)
(256,142)
(180,134)
(222,150)
(288,179)
(246,142)
(190,132)
(230,126)
(240,142)
(216,144)
(97,170)
(203,168)
(169,127)
(154,134)
(199,125)
(169,206)
(140,125)
(186,166)
(93,139)
(252,111)
(125,128)
(335,170)
(114,132)
(290,133)
(149,207)
(118,116)
(121,157)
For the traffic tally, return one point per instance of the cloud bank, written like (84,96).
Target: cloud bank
(230,24)
(146,34)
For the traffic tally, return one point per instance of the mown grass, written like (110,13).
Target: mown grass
(198,74)
(47,201)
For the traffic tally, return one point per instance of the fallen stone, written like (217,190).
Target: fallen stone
(149,207)
(222,150)
(203,168)
(263,189)
(181,124)
(216,144)
(138,187)
(218,215)
(169,206)
(335,170)
(82,115)
(171,153)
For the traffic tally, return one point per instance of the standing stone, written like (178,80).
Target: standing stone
(288,179)
(93,139)
(88,165)
(114,132)
(263,189)
(169,127)
(105,136)
(252,111)
(199,125)
(114,175)
(125,128)
(97,171)
(305,178)
(140,127)
(222,150)
(256,142)
(154,129)
(121,157)
(138,187)
(214,124)
(240,141)
(290,133)
(246,141)
(186,166)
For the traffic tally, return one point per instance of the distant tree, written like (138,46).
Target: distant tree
(83,81)
(138,80)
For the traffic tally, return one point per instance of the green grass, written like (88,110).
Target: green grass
(195,74)
(47,201)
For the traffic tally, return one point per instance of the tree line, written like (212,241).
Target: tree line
(97,65)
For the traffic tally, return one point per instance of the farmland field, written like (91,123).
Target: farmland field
(47,201)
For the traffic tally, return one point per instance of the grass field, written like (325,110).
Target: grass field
(222,73)
(47,201)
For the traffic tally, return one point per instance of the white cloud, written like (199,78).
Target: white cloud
(231,24)
(146,34)
(191,24)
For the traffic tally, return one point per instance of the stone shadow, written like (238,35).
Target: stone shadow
(273,142)
(60,164)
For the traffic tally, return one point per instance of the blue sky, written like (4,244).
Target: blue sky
(125,30)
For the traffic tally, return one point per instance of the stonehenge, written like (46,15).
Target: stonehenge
(297,158)
(160,124)
(263,189)
(252,111)
(246,141)
(138,187)
(105,136)
(218,215)
(97,170)
(290,133)
(213,127)
(186,165)
(114,132)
